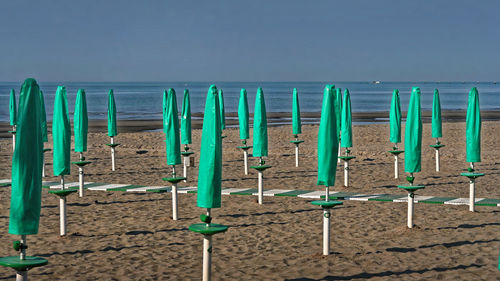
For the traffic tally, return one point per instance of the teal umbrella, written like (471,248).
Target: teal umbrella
(112,130)
(25,201)
(327,140)
(436,116)
(222,111)
(413,133)
(473,128)
(296,123)
(80,122)
(172,130)
(43,118)
(61,134)
(395,118)
(164,110)
(210,170)
(186,119)
(346,124)
(260,126)
(13,108)
(338,108)
(243,115)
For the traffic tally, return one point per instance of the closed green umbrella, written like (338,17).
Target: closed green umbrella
(26,191)
(222,111)
(327,159)
(346,124)
(61,134)
(13,117)
(112,128)
(395,118)
(413,134)
(473,128)
(296,123)
(45,137)
(260,126)
(338,114)
(437,131)
(186,119)
(209,177)
(172,130)
(243,115)
(164,111)
(243,118)
(81,122)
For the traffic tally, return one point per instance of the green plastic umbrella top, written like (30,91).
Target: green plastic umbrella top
(26,192)
(473,128)
(164,110)
(243,115)
(437,131)
(296,123)
(222,111)
(395,118)
(112,129)
(338,108)
(61,134)
(186,119)
(260,126)
(413,134)
(45,137)
(81,122)
(13,108)
(328,142)
(210,170)
(346,129)
(172,130)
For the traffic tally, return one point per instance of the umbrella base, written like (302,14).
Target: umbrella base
(411,188)
(395,152)
(62,192)
(22,265)
(472,176)
(174,180)
(261,168)
(112,144)
(208,229)
(327,204)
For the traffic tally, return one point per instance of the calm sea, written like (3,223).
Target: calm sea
(143,100)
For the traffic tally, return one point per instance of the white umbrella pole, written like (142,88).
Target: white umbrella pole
(207,255)
(338,159)
(346,173)
(245,159)
(185,171)
(112,155)
(437,160)
(62,210)
(261,183)
(13,138)
(80,177)
(43,166)
(472,191)
(174,198)
(410,210)
(326,226)
(296,155)
(22,275)
(396,172)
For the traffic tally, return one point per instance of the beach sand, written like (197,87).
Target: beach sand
(131,236)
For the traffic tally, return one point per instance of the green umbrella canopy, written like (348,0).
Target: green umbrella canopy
(413,134)
(338,108)
(328,142)
(13,108)
(186,119)
(395,118)
(346,126)
(172,130)
(112,130)
(473,128)
(222,111)
(164,110)
(45,137)
(81,122)
(26,192)
(437,130)
(296,124)
(61,134)
(210,170)
(243,116)
(260,126)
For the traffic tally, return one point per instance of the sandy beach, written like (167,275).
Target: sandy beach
(131,236)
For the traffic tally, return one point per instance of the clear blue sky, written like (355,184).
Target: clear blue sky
(250,40)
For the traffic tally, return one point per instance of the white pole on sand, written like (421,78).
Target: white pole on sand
(43,166)
(80,177)
(396,172)
(13,138)
(22,275)
(437,160)
(174,197)
(472,191)
(326,226)
(207,254)
(112,154)
(184,171)
(62,210)
(245,159)
(338,158)
(260,191)
(346,173)
(410,206)
(296,155)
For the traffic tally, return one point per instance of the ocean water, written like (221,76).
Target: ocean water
(143,100)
